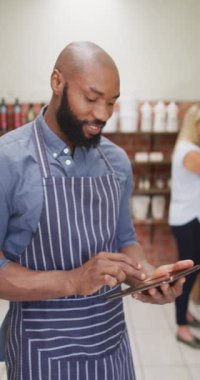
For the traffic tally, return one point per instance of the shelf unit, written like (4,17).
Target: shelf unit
(153,170)
(139,141)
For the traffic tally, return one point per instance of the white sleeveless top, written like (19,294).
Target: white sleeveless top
(185,187)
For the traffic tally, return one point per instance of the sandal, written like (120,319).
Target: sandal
(195,343)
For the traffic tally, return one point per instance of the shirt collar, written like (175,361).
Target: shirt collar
(53,143)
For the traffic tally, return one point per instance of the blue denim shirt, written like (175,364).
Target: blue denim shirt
(21,192)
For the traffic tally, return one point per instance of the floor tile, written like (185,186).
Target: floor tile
(3,309)
(166,373)
(191,356)
(138,373)
(145,316)
(131,332)
(195,372)
(3,372)
(158,348)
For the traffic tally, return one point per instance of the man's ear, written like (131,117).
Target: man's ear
(57,82)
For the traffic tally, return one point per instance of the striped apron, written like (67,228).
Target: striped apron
(77,337)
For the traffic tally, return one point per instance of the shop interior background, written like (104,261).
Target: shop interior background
(154,43)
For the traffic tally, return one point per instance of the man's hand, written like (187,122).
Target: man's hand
(167,292)
(104,269)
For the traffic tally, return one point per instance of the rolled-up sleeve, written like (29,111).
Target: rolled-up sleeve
(125,230)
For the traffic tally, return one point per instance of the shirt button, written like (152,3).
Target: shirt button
(55,155)
(68,162)
(66,150)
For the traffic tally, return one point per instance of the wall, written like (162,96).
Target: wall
(153,43)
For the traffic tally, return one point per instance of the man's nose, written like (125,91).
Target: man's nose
(101,113)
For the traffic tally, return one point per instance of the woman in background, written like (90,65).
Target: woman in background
(184,214)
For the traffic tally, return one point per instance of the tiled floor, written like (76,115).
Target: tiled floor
(156,353)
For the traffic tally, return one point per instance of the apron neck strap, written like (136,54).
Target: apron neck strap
(106,160)
(41,150)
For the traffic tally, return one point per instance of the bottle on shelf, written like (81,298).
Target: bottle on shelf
(159,117)
(147,183)
(3,116)
(146,117)
(172,117)
(128,114)
(17,114)
(141,183)
(30,113)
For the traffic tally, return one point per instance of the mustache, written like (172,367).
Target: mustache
(96,123)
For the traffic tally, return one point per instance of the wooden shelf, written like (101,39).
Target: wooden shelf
(151,191)
(141,133)
(149,163)
(163,133)
(150,222)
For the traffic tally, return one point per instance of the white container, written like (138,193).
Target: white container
(128,123)
(172,117)
(128,114)
(127,105)
(146,117)
(140,206)
(141,156)
(159,183)
(111,125)
(156,156)
(158,207)
(159,122)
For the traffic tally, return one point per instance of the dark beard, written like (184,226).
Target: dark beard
(73,127)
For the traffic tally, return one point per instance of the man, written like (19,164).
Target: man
(66,233)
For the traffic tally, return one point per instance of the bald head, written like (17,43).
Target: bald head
(75,57)
(86,84)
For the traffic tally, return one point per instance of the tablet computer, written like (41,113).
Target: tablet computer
(154,283)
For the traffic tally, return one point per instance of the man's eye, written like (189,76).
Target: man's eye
(91,100)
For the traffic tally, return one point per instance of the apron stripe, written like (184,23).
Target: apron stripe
(100,215)
(105,369)
(42,246)
(68,224)
(76,224)
(34,255)
(84,220)
(106,214)
(59,222)
(47,207)
(91,215)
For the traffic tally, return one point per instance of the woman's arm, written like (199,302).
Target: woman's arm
(192,161)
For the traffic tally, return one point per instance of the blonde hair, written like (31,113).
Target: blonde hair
(188,130)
